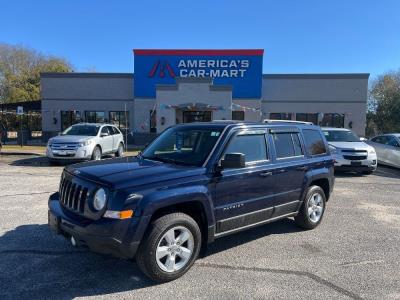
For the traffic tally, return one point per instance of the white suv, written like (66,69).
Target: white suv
(349,152)
(85,141)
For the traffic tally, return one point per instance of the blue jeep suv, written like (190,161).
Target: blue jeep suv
(193,184)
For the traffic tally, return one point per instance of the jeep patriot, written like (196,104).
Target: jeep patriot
(193,184)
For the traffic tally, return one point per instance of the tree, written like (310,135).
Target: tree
(384,103)
(20,69)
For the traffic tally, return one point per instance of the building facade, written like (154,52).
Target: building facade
(182,86)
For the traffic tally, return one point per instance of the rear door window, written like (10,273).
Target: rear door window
(314,142)
(287,144)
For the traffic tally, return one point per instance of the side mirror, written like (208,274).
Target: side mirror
(103,134)
(233,161)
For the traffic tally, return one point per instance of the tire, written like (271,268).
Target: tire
(308,220)
(96,154)
(120,151)
(156,267)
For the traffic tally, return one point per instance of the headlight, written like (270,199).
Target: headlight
(85,143)
(100,198)
(333,150)
(372,151)
(49,143)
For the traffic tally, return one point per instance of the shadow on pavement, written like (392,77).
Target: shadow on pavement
(280,227)
(37,263)
(381,171)
(36,161)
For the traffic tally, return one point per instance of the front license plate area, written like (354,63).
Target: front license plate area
(356,163)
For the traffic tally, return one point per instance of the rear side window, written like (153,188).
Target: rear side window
(287,145)
(253,146)
(314,142)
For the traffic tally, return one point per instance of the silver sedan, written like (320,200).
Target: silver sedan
(387,147)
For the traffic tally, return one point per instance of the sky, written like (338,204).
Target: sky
(309,36)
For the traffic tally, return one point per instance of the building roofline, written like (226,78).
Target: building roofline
(318,76)
(200,52)
(85,75)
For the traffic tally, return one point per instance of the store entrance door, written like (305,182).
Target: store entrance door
(196,116)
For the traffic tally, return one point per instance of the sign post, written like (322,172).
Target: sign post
(20,112)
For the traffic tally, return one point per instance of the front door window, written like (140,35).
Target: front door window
(196,116)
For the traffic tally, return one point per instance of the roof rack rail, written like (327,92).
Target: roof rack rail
(269,121)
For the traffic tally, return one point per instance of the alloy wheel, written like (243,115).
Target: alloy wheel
(175,249)
(315,207)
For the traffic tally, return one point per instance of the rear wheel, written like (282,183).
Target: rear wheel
(170,248)
(96,155)
(120,151)
(312,209)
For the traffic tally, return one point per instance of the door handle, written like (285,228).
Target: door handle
(265,174)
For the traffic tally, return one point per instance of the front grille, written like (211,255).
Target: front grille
(64,146)
(355,157)
(72,195)
(354,151)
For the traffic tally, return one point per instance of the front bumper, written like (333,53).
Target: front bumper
(105,236)
(369,164)
(81,153)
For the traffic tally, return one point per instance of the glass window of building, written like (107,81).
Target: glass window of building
(120,119)
(153,121)
(95,116)
(69,117)
(333,120)
(238,115)
(306,117)
(280,116)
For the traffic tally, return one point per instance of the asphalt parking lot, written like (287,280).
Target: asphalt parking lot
(353,254)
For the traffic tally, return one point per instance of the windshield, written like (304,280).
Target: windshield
(183,145)
(340,136)
(87,130)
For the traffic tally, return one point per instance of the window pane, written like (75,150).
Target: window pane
(304,117)
(283,145)
(252,146)
(314,142)
(119,119)
(238,115)
(95,116)
(280,116)
(297,145)
(153,121)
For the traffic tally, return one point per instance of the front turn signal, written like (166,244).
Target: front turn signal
(123,214)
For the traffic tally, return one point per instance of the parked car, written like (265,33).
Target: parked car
(387,148)
(350,153)
(85,141)
(193,184)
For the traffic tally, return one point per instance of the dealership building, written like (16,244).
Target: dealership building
(181,86)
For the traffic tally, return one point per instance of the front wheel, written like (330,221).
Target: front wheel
(120,151)
(313,208)
(96,155)
(170,248)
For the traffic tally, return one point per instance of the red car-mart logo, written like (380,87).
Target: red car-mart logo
(162,68)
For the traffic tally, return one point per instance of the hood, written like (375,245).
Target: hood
(70,138)
(128,172)
(350,145)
